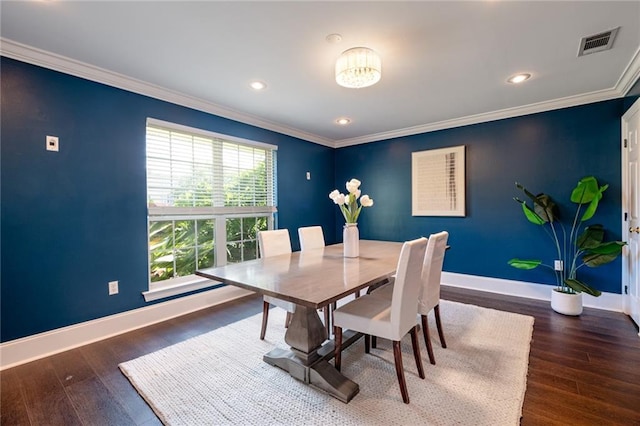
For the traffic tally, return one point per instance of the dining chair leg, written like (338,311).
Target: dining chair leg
(436,310)
(367,343)
(397,355)
(338,347)
(287,321)
(327,316)
(427,339)
(265,317)
(416,351)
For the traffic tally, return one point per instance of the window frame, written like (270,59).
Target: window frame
(219,213)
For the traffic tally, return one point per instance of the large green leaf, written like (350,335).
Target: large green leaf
(610,247)
(593,205)
(591,237)
(603,254)
(591,209)
(588,192)
(524,264)
(530,214)
(582,287)
(585,191)
(545,207)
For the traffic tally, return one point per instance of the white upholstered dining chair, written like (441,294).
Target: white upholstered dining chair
(429,298)
(388,318)
(311,237)
(274,243)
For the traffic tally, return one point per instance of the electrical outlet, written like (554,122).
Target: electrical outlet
(52,143)
(308,175)
(558,265)
(113,288)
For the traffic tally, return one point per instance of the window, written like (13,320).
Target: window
(208,196)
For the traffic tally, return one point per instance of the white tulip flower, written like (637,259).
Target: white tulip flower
(333,194)
(365,201)
(353,185)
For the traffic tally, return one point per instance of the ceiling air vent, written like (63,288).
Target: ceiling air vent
(598,42)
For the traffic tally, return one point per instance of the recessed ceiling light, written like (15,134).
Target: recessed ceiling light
(518,78)
(343,121)
(258,85)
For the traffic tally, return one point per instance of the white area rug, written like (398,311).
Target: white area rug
(220,378)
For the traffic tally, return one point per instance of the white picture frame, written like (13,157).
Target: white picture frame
(438,182)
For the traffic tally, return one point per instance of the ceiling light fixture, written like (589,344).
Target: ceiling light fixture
(343,121)
(518,78)
(358,67)
(258,85)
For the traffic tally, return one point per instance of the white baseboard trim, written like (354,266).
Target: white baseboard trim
(31,348)
(607,301)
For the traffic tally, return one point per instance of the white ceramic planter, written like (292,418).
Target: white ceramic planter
(566,303)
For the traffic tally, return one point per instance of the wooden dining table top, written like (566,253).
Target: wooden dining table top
(312,278)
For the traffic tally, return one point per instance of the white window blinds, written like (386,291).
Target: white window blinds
(197,172)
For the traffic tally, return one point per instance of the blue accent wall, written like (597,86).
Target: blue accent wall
(74,220)
(547,152)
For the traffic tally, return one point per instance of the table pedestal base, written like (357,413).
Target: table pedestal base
(321,374)
(308,359)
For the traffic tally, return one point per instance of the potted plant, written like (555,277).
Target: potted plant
(583,245)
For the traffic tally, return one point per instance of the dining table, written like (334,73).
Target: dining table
(312,279)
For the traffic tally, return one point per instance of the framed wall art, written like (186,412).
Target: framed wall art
(438,182)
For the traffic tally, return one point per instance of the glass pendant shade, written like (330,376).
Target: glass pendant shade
(358,67)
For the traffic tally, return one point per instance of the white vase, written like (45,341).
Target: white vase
(566,303)
(351,240)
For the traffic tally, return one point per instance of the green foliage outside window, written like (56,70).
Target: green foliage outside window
(180,247)
(174,244)
(242,235)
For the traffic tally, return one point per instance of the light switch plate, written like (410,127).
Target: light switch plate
(113,288)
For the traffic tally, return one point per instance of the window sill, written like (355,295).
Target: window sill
(196,283)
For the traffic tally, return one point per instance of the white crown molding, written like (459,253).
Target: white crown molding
(630,75)
(31,55)
(601,95)
(66,65)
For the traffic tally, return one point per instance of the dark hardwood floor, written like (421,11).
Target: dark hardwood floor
(582,371)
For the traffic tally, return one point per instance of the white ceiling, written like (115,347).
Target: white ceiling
(444,63)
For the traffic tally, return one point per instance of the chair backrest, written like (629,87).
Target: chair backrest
(407,287)
(432,272)
(311,237)
(274,243)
